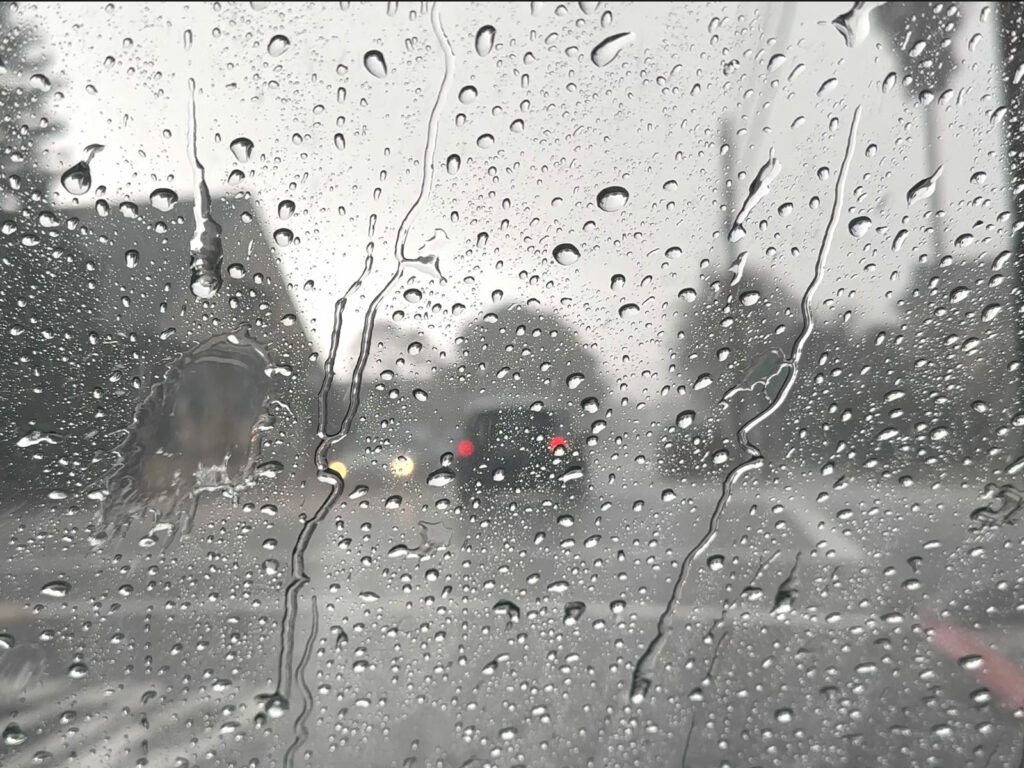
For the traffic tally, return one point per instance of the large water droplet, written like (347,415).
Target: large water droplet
(285,209)
(163,199)
(612,199)
(855,25)
(56,589)
(375,64)
(606,51)
(925,188)
(508,609)
(77,179)
(566,254)
(13,735)
(283,236)
(860,226)
(485,39)
(573,612)
(241,148)
(278,44)
(440,477)
(39,82)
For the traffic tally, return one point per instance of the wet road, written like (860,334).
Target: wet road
(469,644)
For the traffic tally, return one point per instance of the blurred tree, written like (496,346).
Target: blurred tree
(1010,18)
(25,125)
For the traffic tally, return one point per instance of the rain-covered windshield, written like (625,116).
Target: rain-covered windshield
(528,384)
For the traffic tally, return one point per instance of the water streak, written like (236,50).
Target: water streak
(644,671)
(205,248)
(287,670)
(301,728)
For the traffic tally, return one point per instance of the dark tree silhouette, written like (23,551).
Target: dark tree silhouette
(26,124)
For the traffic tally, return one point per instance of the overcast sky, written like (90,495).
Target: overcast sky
(652,121)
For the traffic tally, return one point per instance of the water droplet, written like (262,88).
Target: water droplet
(629,310)
(604,53)
(278,44)
(283,236)
(275,705)
(468,94)
(285,209)
(13,735)
(77,179)
(612,199)
(925,188)
(759,187)
(77,671)
(241,148)
(163,199)
(131,259)
(972,661)
(485,39)
(375,64)
(573,612)
(685,418)
(750,298)
(339,140)
(855,24)
(56,589)
(573,380)
(566,254)
(860,226)
(508,609)
(453,164)
(440,477)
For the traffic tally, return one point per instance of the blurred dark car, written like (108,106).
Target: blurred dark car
(524,455)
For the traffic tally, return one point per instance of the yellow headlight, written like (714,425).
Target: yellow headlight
(338,468)
(402,466)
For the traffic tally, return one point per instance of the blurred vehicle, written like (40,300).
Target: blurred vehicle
(527,457)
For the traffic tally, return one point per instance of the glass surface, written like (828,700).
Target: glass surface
(527,384)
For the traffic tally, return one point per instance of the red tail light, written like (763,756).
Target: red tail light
(558,442)
(465,448)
